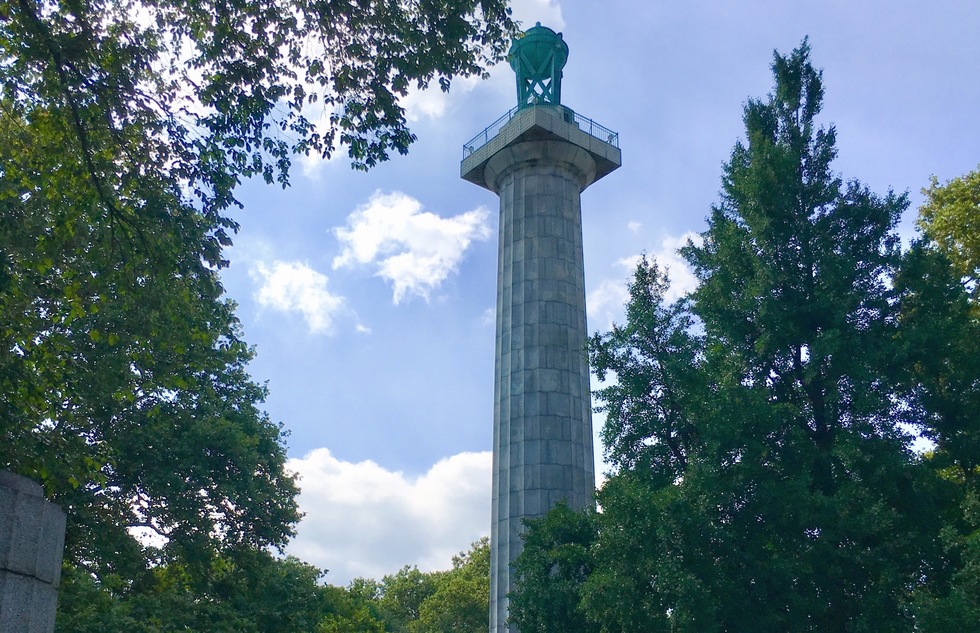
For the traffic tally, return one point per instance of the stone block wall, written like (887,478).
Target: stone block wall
(32,539)
(542,439)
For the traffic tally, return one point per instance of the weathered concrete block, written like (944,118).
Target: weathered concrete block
(32,540)
(26,605)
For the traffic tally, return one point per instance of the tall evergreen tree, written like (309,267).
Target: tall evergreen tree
(763,477)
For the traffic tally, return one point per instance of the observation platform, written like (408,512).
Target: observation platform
(545,122)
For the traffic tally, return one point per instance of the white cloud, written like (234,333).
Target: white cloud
(296,287)
(364,520)
(433,101)
(414,250)
(634,226)
(489,317)
(682,279)
(606,301)
(313,164)
(547,12)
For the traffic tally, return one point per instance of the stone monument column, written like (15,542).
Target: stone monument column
(538,159)
(32,540)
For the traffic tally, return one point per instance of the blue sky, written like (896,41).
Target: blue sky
(369,296)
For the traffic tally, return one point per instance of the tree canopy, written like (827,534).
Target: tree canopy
(412,601)
(760,429)
(125,128)
(552,573)
(460,601)
(950,218)
(939,348)
(252,593)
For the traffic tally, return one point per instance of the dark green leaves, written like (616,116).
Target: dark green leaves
(125,128)
(654,360)
(759,428)
(549,573)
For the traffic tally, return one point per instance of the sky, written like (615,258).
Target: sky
(369,297)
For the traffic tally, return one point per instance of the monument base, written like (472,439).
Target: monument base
(32,541)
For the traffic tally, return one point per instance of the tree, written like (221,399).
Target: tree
(950,218)
(549,573)
(940,362)
(125,128)
(123,383)
(461,600)
(257,593)
(654,560)
(763,479)
(412,601)
(797,315)
(402,596)
(354,609)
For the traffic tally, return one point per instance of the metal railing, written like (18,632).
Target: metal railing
(585,124)
(489,133)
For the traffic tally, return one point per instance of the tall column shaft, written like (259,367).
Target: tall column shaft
(542,431)
(538,163)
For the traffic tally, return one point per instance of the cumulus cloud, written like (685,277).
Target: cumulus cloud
(414,250)
(296,287)
(433,102)
(682,279)
(364,520)
(547,12)
(606,301)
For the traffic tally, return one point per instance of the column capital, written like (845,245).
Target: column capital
(568,143)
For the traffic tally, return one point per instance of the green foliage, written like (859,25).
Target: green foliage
(940,362)
(461,600)
(353,610)
(763,478)
(125,128)
(123,382)
(88,606)
(256,593)
(940,356)
(402,595)
(411,601)
(549,572)
(658,383)
(804,463)
(950,217)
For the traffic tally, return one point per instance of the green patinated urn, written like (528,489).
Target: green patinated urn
(538,57)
